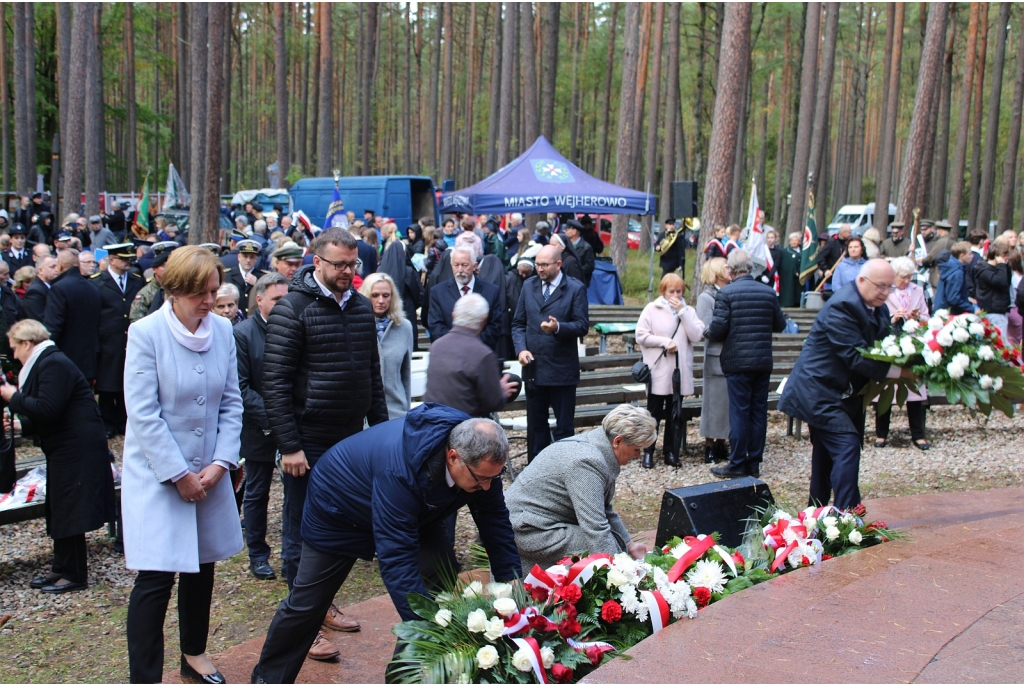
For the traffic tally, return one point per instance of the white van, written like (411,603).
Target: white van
(860,217)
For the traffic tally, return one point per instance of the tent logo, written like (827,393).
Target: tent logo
(551,171)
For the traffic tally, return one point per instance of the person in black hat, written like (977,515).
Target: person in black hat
(143,256)
(670,245)
(245,274)
(573,231)
(151,297)
(230,258)
(118,286)
(99,235)
(43,231)
(18,256)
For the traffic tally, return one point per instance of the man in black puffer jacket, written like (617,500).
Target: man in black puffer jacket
(746,314)
(321,374)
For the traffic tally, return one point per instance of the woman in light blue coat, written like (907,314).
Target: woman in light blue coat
(847,270)
(395,339)
(184,426)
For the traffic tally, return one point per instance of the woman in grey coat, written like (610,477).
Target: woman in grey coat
(562,502)
(714,399)
(395,339)
(183,436)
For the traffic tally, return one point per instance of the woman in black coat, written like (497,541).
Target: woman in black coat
(56,404)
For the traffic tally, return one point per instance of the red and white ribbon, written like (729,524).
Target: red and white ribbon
(584,569)
(727,558)
(529,645)
(657,607)
(584,647)
(698,547)
(519,621)
(538,577)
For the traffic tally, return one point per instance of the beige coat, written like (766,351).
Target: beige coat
(654,333)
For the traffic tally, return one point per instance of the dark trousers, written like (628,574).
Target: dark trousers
(71,558)
(561,399)
(835,466)
(915,415)
(258,477)
(319,578)
(660,407)
(291,514)
(147,609)
(113,412)
(748,417)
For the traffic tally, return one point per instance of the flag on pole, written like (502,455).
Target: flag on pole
(140,225)
(336,211)
(809,248)
(756,245)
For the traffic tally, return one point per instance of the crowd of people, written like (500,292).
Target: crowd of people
(294,348)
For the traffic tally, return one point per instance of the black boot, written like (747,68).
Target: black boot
(709,454)
(720,451)
(648,462)
(672,459)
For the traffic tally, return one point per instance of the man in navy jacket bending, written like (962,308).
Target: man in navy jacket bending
(387,491)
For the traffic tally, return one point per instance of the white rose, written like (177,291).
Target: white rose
(876,350)
(961,322)
(832,533)
(547,657)
(888,341)
(944,338)
(934,323)
(997,384)
(892,351)
(476,622)
(487,657)
(830,521)
(976,329)
(962,359)
(617,578)
(443,618)
(985,352)
(909,326)
(498,590)
(506,606)
(474,588)
(463,679)
(907,345)
(855,537)
(521,660)
(941,314)
(985,382)
(847,519)
(810,523)
(961,335)
(954,370)
(495,629)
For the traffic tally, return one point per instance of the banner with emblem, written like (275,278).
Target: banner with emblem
(140,224)
(809,246)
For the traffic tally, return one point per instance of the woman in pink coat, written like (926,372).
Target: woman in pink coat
(666,331)
(906,302)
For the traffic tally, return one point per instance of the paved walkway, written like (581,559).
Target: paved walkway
(946,606)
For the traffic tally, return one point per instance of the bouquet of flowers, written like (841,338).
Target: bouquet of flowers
(962,356)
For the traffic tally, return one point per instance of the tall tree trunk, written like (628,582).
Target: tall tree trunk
(640,93)
(574,101)
(627,122)
(22,140)
(30,90)
(650,156)
(860,144)
(198,28)
(407,142)
(130,97)
(1012,145)
(528,55)
(516,101)
(603,139)
(5,105)
(778,209)
(63,70)
(802,153)
(883,182)
(549,58)
(302,142)
(431,119)
(700,144)
(369,79)
(494,123)
(979,89)
(447,106)
(988,172)
(956,176)
(182,93)
(281,88)
(671,114)
(762,155)
(225,118)
(314,104)
(210,224)
(324,143)
(505,106)
(96,121)
(725,126)
(913,186)
(937,201)
(78,70)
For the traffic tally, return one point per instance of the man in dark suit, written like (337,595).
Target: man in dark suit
(444,295)
(118,286)
(230,258)
(573,230)
(10,304)
(824,388)
(245,274)
(551,316)
(364,250)
(38,291)
(73,314)
(18,256)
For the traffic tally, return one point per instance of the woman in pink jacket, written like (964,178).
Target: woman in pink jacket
(666,331)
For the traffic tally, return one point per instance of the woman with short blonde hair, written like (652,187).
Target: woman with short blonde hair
(714,398)
(395,340)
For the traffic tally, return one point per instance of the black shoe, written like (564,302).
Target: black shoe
(672,459)
(720,452)
(709,454)
(726,471)
(648,461)
(110,435)
(754,470)
(923,445)
(188,672)
(262,570)
(42,581)
(256,677)
(61,589)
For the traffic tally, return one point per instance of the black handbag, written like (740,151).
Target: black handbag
(641,372)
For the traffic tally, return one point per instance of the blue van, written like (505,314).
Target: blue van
(404,199)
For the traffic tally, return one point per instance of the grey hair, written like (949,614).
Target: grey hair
(479,439)
(634,425)
(228,290)
(794,234)
(241,220)
(470,311)
(466,250)
(516,216)
(740,262)
(267,280)
(260,226)
(903,266)
(543,224)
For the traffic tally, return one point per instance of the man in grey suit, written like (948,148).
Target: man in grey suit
(551,316)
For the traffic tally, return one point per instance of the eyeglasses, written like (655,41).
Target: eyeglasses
(483,481)
(881,288)
(545,264)
(341,266)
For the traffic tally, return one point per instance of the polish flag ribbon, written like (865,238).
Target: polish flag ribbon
(698,547)
(657,607)
(584,569)
(533,652)
(538,577)
(519,621)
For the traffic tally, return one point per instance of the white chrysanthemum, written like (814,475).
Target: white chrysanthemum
(474,588)
(976,329)
(954,370)
(941,314)
(832,533)
(487,657)
(625,563)
(476,621)
(997,384)
(962,359)
(443,618)
(547,657)
(961,335)
(810,523)
(985,352)
(495,629)
(709,574)
(932,358)
(934,323)
(521,660)
(830,521)
(855,537)
(892,351)
(506,606)
(679,550)
(944,338)
(961,322)
(985,382)
(498,590)
(691,609)
(631,603)
(909,326)
(888,341)
(907,346)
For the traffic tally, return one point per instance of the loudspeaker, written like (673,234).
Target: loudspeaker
(721,508)
(684,199)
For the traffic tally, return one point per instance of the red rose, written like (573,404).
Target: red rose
(538,593)
(568,611)
(860,510)
(594,653)
(826,557)
(611,611)
(804,561)
(570,593)
(738,559)
(541,624)
(701,595)
(565,561)
(570,627)
(561,674)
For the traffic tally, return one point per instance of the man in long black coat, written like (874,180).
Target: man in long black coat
(73,315)
(245,273)
(118,286)
(584,252)
(552,315)
(18,255)
(38,291)
(444,295)
(824,388)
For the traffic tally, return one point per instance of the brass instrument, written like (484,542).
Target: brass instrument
(692,223)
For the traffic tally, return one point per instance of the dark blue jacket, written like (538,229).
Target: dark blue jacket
(746,314)
(443,297)
(72,316)
(824,388)
(368,255)
(373,493)
(555,355)
(953,289)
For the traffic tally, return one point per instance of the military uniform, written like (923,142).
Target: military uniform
(935,246)
(234,275)
(114,321)
(143,301)
(890,248)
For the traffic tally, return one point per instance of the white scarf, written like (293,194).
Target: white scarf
(200,341)
(27,368)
